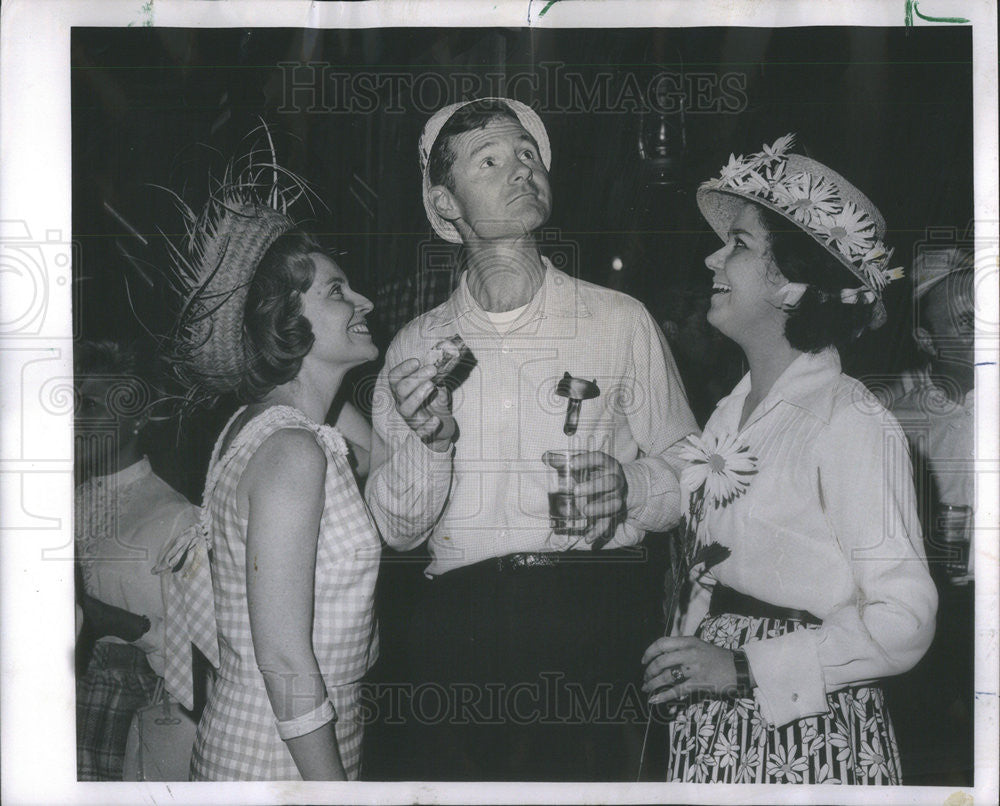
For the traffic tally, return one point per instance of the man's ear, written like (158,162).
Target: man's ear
(924,340)
(444,203)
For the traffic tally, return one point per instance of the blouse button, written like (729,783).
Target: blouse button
(795,698)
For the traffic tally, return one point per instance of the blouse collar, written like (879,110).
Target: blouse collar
(918,380)
(807,383)
(127,475)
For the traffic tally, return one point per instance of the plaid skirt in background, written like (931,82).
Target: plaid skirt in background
(727,740)
(117,683)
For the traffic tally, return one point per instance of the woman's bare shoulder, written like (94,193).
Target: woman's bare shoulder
(289,458)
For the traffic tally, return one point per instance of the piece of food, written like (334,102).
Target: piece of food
(446,355)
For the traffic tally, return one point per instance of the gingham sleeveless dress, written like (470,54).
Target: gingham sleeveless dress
(237,738)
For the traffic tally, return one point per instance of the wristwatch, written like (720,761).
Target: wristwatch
(744,682)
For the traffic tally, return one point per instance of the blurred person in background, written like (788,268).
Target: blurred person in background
(935,405)
(124,513)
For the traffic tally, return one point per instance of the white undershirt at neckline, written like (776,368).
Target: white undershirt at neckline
(503,320)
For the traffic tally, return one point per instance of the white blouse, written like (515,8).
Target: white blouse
(829,525)
(121,522)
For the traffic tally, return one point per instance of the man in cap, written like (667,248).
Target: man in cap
(532,635)
(935,406)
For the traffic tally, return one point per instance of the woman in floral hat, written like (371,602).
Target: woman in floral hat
(271,319)
(803,480)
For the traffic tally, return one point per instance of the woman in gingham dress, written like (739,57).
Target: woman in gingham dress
(237,738)
(819,586)
(272,319)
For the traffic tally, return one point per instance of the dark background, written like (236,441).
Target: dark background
(890,108)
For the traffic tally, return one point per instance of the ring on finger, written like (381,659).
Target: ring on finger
(677,675)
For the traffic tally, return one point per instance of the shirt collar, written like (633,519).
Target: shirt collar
(919,379)
(127,475)
(807,383)
(557,296)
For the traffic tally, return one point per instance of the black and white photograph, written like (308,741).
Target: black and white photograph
(544,402)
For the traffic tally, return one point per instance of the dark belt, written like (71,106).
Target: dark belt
(519,562)
(550,559)
(727,600)
(523,561)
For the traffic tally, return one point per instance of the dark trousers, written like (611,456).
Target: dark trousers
(522,673)
(932,705)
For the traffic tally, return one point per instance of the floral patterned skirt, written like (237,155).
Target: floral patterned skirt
(728,741)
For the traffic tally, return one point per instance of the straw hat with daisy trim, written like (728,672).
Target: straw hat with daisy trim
(837,215)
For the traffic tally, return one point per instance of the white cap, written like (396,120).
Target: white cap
(525,114)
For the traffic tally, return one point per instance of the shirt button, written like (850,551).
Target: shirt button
(505,349)
(507,404)
(795,698)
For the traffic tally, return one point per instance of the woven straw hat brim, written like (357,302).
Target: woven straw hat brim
(720,207)
(213,334)
(525,114)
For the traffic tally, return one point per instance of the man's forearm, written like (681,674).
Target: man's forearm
(407,491)
(654,493)
(104,619)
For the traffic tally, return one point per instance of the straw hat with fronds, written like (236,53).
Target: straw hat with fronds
(214,262)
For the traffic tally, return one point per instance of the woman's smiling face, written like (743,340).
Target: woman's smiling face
(745,299)
(337,314)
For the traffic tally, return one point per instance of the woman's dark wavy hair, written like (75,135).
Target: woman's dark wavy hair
(276,334)
(820,319)
(105,357)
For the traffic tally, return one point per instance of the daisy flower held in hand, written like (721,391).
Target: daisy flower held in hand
(718,468)
(719,471)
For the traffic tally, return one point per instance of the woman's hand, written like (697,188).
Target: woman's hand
(677,667)
(317,755)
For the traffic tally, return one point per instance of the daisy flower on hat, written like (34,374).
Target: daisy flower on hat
(821,202)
